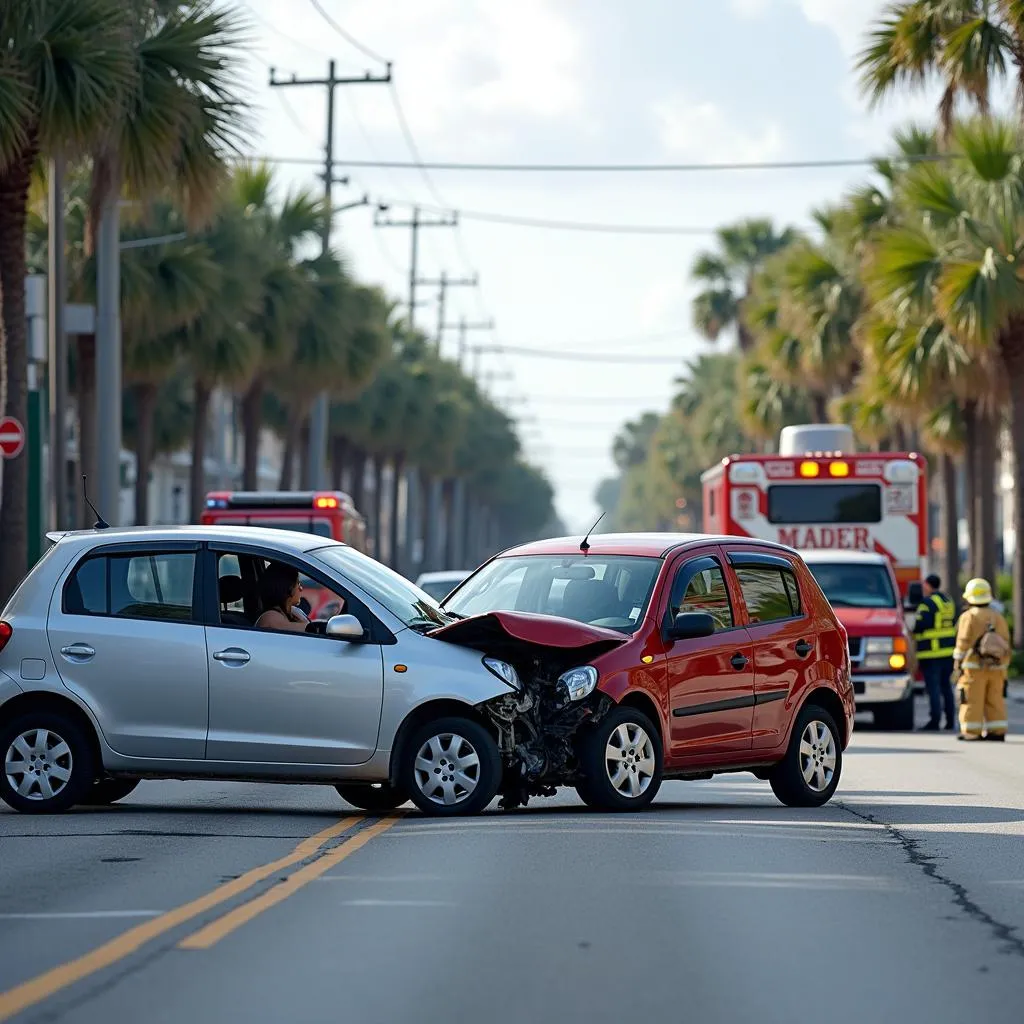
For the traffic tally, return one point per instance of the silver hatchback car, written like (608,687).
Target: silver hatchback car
(129,654)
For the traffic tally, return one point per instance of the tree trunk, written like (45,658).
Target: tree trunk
(85,397)
(819,404)
(145,398)
(426,521)
(339,451)
(394,542)
(252,424)
(197,471)
(358,481)
(378,502)
(1012,346)
(950,536)
(985,498)
(970,414)
(305,477)
(448,518)
(14,183)
(292,445)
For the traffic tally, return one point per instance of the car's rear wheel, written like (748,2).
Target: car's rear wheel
(108,791)
(378,796)
(450,767)
(622,762)
(809,773)
(48,763)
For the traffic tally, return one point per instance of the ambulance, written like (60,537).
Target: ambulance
(818,493)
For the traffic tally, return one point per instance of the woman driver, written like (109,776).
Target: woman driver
(280,591)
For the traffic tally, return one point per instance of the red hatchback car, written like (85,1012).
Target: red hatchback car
(649,656)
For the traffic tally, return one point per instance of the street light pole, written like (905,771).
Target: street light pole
(57,348)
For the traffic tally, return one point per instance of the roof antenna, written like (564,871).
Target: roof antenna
(101,523)
(585,543)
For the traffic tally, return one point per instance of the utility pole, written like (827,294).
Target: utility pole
(416,222)
(57,349)
(318,419)
(444,283)
(464,327)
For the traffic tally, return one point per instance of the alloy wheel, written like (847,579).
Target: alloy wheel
(629,759)
(447,769)
(38,764)
(817,756)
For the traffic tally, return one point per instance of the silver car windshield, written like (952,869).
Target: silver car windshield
(403,599)
(603,590)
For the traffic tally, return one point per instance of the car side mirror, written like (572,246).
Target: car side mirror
(915,595)
(691,626)
(345,627)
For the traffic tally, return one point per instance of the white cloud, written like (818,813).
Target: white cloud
(750,8)
(702,130)
(848,20)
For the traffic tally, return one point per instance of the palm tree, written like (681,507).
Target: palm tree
(727,276)
(176,122)
(285,289)
(959,257)
(968,44)
(165,289)
(62,62)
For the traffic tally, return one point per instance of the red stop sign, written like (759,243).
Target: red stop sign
(12,437)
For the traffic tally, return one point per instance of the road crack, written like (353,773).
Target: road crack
(1005,934)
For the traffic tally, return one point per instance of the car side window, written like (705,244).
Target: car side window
(700,586)
(156,585)
(770,594)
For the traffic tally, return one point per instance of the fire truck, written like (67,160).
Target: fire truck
(818,493)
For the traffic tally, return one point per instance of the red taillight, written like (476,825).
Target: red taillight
(6,632)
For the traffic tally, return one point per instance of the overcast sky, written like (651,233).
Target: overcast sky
(572,81)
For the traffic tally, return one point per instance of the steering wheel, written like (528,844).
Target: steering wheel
(318,627)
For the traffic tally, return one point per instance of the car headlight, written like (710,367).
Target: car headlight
(885,652)
(504,671)
(579,682)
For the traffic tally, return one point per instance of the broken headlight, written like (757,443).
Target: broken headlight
(578,682)
(504,671)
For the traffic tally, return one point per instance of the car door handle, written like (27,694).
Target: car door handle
(738,661)
(803,648)
(233,656)
(78,651)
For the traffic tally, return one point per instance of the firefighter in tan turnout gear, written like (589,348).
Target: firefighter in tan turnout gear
(982,657)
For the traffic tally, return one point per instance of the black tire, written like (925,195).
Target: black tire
(486,773)
(108,791)
(787,778)
(897,717)
(596,789)
(78,761)
(371,797)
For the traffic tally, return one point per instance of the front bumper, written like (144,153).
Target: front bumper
(882,687)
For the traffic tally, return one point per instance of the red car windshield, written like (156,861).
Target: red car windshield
(855,586)
(603,590)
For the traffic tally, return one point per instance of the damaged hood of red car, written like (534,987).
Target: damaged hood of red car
(505,634)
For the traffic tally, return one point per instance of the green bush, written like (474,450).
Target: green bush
(1017,665)
(1004,588)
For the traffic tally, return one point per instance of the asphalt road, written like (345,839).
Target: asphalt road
(901,901)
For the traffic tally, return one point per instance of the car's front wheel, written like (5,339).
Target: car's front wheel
(48,763)
(108,791)
(373,797)
(622,763)
(451,766)
(809,773)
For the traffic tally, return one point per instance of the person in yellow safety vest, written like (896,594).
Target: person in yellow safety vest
(935,636)
(982,677)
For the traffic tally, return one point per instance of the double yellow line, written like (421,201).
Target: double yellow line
(44,985)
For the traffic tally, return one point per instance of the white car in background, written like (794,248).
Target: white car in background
(440,584)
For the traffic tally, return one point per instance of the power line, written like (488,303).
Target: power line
(347,36)
(648,168)
(284,35)
(293,116)
(585,357)
(410,141)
